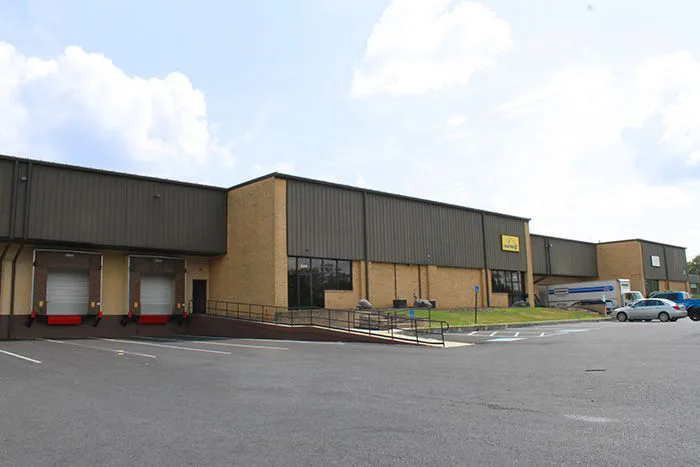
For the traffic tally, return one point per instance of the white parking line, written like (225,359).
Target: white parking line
(213,342)
(542,335)
(118,351)
(516,334)
(22,357)
(165,346)
(226,344)
(276,341)
(493,333)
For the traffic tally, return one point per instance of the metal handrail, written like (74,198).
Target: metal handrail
(375,322)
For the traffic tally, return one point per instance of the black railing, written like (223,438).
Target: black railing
(372,323)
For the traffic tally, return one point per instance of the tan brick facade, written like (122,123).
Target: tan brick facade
(679,286)
(450,287)
(23,281)
(254,268)
(529,279)
(347,299)
(622,261)
(115,285)
(499,300)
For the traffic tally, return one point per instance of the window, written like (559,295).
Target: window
(510,282)
(336,273)
(652,286)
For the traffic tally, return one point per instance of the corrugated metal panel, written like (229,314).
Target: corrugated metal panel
(539,255)
(324,222)
(494,227)
(677,264)
(407,231)
(652,272)
(6,177)
(569,258)
(84,207)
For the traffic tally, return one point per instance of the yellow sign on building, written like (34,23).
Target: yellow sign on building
(510,243)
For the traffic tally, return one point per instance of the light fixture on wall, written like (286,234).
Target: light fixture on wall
(157,260)
(70,255)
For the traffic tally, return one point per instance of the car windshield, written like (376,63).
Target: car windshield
(636,296)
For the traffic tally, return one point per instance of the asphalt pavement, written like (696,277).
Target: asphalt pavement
(593,394)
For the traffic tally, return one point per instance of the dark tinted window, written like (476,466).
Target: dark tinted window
(344,273)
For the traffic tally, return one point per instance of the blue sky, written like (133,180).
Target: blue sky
(585,119)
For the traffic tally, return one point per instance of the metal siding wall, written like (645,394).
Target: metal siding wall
(677,264)
(539,255)
(576,259)
(494,227)
(650,272)
(23,178)
(407,231)
(6,178)
(323,221)
(75,206)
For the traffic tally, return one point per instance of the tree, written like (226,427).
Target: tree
(694,265)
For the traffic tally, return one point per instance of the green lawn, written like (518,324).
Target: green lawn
(502,315)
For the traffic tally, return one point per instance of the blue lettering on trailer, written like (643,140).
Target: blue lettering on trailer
(565,291)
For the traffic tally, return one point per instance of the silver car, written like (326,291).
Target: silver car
(651,308)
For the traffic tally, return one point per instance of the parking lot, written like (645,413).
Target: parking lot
(595,394)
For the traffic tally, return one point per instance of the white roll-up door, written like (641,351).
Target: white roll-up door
(67,292)
(157,295)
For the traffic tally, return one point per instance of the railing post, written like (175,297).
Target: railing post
(249,311)
(329,319)
(415,328)
(391,324)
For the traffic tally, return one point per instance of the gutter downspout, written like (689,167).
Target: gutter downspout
(364,222)
(2,259)
(12,290)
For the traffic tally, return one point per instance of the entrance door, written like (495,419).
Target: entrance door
(157,295)
(67,292)
(199,296)
(306,288)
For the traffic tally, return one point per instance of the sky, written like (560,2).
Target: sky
(583,116)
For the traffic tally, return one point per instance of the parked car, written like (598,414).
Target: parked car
(651,308)
(682,298)
(609,306)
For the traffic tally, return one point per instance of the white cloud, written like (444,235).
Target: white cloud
(456,120)
(419,46)
(668,87)
(158,123)
(561,154)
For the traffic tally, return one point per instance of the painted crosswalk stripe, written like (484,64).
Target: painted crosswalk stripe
(21,357)
(165,346)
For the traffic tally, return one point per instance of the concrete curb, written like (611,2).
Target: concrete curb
(489,327)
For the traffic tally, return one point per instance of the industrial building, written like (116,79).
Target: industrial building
(107,253)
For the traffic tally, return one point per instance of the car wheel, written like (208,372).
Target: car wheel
(664,317)
(622,317)
(694,314)
(694,317)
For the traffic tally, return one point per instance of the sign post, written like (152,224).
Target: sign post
(476,301)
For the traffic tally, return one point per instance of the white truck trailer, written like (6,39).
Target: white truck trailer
(616,292)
